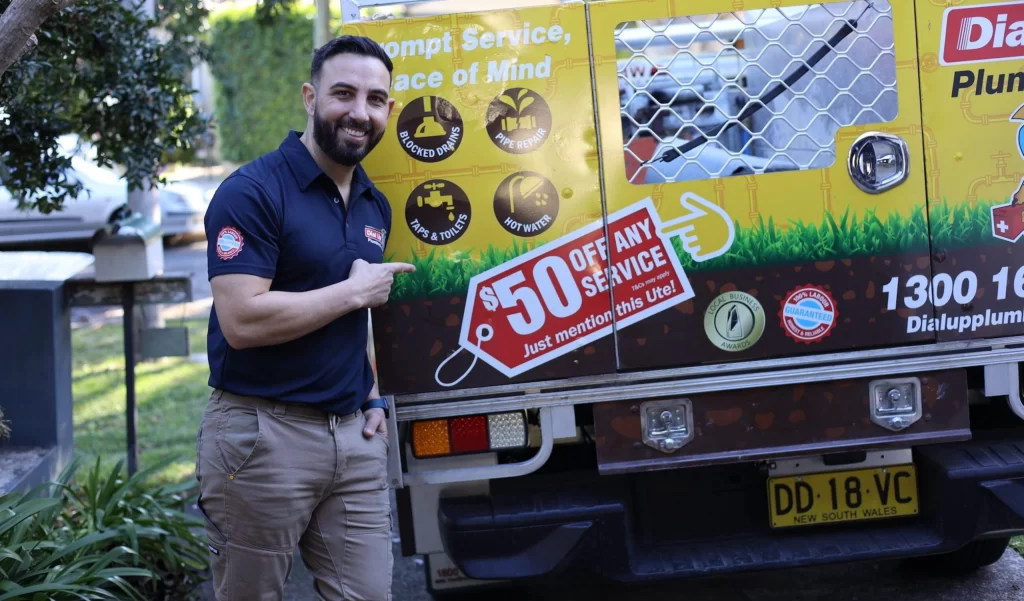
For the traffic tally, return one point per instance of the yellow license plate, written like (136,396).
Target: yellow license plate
(845,496)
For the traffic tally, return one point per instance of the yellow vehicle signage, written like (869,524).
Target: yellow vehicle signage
(492,153)
(640,184)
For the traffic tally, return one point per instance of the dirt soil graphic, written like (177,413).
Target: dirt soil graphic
(414,336)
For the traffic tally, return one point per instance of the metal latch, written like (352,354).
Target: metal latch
(878,162)
(666,425)
(895,402)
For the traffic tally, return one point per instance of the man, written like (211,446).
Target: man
(292,448)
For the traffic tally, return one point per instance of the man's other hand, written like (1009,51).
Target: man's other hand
(374,280)
(375,423)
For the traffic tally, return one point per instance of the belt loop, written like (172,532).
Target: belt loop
(279,409)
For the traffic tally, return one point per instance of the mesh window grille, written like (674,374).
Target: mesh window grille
(752,91)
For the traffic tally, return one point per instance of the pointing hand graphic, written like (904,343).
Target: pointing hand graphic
(706,231)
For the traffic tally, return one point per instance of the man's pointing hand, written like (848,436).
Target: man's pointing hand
(373,280)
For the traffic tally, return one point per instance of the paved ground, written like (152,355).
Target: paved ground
(885,581)
(888,581)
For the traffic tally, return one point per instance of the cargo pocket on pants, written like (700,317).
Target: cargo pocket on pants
(216,541)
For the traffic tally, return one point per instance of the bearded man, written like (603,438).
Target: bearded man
(292,447)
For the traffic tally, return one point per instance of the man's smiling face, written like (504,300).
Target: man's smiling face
(352,107)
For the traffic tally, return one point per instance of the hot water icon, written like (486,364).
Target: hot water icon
(527,188)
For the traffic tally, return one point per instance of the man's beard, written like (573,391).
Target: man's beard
(326,135)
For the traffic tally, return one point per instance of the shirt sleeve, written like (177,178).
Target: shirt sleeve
(243,227)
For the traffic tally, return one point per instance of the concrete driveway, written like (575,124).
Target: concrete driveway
(882,581)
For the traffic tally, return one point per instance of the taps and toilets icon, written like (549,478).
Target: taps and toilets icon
(437,200)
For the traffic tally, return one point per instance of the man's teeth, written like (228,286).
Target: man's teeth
(356,133)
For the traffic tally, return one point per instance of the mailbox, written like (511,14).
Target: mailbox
(129,249)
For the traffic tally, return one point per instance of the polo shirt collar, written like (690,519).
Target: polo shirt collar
(306,170)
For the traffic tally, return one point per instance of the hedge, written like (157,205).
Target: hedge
(258,75)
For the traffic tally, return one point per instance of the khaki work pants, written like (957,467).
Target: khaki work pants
(274,477)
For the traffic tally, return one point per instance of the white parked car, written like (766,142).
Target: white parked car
(182,206)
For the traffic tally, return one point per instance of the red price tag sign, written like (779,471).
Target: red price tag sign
(555,299)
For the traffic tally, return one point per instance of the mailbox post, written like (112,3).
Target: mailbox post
(129,272)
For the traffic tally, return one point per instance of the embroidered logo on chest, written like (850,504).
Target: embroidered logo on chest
(375,236)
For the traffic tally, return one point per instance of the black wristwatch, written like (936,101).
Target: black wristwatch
(378,403)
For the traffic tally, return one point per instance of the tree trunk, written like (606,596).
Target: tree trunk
(18,24)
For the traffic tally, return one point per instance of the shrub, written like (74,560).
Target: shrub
(258,74)
(99,537)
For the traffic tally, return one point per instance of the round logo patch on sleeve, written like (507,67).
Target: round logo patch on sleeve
(808,314)
(229,242)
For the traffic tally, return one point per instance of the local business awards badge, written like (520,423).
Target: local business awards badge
(808,314)
(734,321)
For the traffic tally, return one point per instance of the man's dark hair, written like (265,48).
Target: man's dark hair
(347,44)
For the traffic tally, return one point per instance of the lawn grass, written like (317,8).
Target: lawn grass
(767,244)
(170,393)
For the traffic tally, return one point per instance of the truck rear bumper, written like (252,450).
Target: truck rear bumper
(713,521)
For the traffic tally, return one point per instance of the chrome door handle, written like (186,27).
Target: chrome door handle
(878,162)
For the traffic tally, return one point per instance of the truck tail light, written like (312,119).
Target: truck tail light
(469,434)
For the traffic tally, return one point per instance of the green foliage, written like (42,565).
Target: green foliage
(259,68)
(448,274)
(101,73)
(102,536)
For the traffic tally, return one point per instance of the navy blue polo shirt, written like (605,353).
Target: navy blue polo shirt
(281,217)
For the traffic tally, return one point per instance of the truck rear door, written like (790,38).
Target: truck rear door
(973,101)
(782,150)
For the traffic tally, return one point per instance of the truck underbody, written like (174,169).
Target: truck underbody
(582,505)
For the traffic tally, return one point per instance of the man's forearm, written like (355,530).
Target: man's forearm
(276,317)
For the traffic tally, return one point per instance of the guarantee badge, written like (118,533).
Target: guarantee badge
(808,314)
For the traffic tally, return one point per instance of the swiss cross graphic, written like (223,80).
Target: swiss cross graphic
(1008,221)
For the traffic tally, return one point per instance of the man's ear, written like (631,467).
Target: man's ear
(309,98)
(391,107)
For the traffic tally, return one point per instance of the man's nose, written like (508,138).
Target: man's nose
(358,111)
